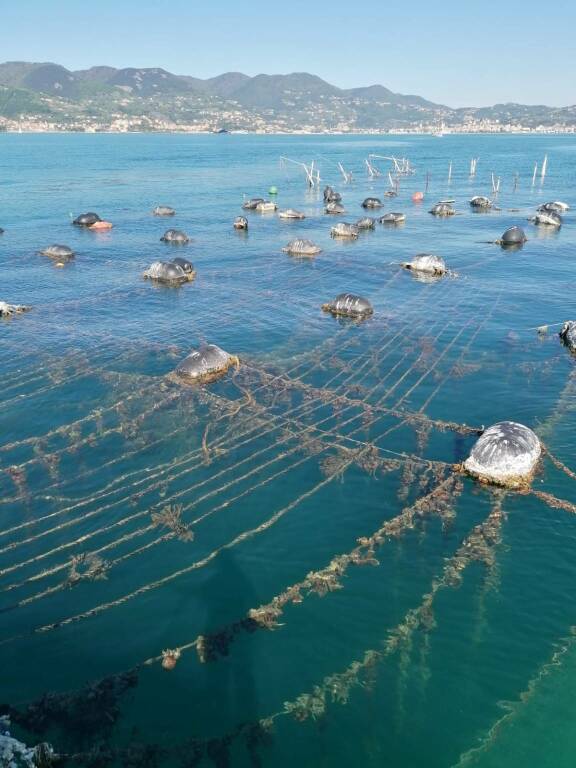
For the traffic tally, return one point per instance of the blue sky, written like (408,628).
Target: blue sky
(457,53)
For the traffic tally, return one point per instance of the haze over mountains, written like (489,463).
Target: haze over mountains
(106,98)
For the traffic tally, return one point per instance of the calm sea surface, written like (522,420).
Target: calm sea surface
(138,515)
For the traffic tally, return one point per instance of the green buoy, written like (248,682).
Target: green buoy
(273,191)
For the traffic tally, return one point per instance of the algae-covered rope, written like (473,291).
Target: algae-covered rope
(131,517)
(136,515)
(242,537)
(149,477)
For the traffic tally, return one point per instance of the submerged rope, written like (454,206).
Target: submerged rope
(218,490)
(201,563)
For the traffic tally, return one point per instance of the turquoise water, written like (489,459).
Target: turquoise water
(270,464)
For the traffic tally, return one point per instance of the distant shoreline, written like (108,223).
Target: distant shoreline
(556,132)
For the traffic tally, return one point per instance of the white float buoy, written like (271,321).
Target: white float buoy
(505,454)
(206,364)
(426,262)
(302,247)
(349,305)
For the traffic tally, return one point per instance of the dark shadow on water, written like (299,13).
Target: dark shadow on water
(226,684)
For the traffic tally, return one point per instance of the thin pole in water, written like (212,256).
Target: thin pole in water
(495,183)
(312,180)
(346,174)
(544,166)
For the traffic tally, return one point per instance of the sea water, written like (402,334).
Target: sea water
(265,468)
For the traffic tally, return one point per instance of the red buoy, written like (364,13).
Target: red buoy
(417,197)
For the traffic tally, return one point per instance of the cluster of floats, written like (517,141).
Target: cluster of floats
(505,454)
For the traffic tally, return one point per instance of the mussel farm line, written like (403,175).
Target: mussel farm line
(62,430)
(58,370)
(564,405)
(209,646)
(75,366)
(183,528)
(324,432)
(475,548)
(151,526)
(50,571)
(125,537)
(238,539)
(133,423)
(336,688)
(103,297)
(78,373)
(322,399)
(478,546)
(463,353)
(96,415)
(212,477)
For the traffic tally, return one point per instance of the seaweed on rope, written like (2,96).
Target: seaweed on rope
(73,428)
(69,521)
(125,428)
(559,464)
(141,549)
(165,537)
(564,404)
(363,457)
(423,429)
(478,546)
(51,590)
(15,470)
(330,397)
(240,538)
(63,374)
(69,709)
(440,500)
(205,560)
(312,352)
(97,414)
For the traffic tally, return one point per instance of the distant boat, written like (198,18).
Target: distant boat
(440,132)
(222,130)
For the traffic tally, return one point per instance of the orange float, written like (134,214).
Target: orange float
(417,197)
(101,225)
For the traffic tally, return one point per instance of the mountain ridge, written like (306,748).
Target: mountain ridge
(102,95)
